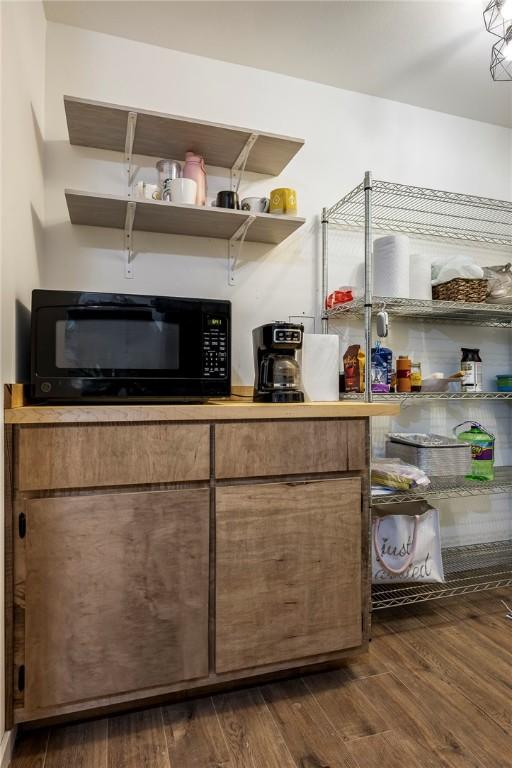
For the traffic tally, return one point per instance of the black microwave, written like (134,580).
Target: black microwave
(88,347)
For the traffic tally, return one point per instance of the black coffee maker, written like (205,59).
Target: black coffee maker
(277,378)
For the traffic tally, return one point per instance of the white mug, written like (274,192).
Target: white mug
(183,191)
(255,204)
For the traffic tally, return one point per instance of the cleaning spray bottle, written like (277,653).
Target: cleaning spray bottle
(482,450)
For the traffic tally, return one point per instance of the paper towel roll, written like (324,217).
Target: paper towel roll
(420,279)
(391,266)
(320,366)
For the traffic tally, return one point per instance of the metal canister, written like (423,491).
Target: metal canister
(168,170)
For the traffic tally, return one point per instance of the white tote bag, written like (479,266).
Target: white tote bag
(406,546)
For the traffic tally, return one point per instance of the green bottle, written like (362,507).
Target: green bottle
(482,450)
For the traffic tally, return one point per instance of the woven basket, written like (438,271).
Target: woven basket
(461,289)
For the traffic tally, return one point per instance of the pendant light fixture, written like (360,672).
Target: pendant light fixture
(498,17)
(501,58)
(498,21)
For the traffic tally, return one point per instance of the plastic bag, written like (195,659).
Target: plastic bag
(500,284)
(394,473)
(340,296)
(458,266)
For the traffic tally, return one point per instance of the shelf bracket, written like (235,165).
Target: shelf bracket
(128,149)
(239,165)
(235,247)
(131,207)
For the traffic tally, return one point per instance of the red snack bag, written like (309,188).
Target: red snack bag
(340,296)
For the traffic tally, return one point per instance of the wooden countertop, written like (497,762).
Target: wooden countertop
(214,410)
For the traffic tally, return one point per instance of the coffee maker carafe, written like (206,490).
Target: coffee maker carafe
(277,372)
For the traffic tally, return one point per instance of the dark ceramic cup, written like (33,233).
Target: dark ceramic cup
(227,199)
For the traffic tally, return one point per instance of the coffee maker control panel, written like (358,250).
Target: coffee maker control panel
(215,348)
(287,336)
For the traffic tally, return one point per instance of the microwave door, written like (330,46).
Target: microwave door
(115,342)
(105,342)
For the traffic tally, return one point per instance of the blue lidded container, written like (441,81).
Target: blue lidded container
(504,382)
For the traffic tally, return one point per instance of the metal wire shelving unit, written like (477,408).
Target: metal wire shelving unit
(425,213)
(452,487)
(419,397)
(447,216)
(491,315)
(468,569)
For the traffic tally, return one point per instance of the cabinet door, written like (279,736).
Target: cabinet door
(116,593)
(288,571)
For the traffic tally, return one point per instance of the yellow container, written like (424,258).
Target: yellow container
(283,201)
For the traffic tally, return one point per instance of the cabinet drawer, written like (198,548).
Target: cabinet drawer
(288,571)
(95,455)
(288,448)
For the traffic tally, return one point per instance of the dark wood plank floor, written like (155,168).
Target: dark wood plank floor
(435,691)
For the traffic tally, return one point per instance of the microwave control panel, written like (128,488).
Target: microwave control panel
(215,348)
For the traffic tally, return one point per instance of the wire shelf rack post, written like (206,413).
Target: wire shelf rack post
(325,266)
(368,284)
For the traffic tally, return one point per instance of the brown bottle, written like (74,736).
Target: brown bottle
(403,374)
(416,379)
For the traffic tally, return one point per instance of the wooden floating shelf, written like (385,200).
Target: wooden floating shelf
(97,210)
(104,126)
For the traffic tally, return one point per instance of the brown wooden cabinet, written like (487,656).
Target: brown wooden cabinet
(288,571)
(116,593)
(154,558)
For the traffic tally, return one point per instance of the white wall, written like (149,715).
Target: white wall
(23,60)
(23,29)
(346,133)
